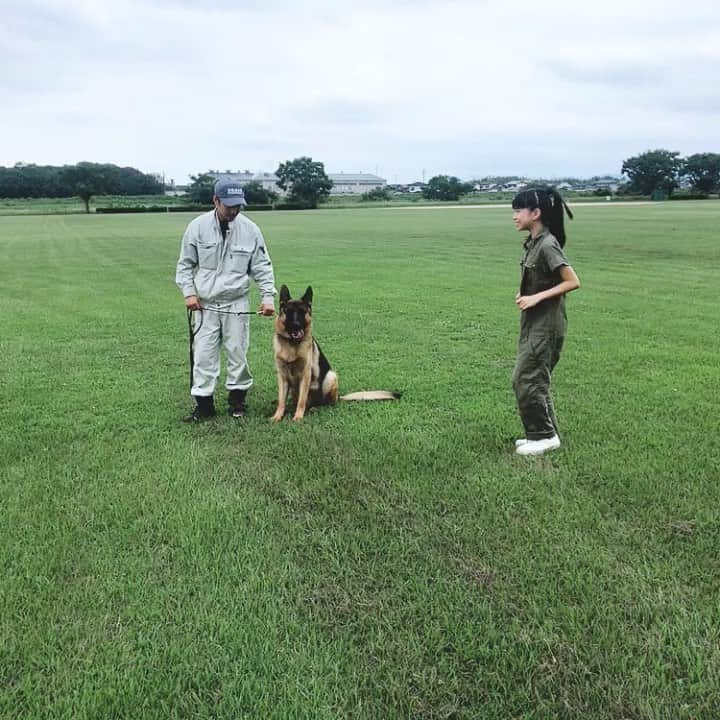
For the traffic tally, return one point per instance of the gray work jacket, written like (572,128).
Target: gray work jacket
(218,269)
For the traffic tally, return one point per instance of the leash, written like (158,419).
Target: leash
(224,312)
(193,332)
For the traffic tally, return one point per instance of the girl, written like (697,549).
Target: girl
(546,277)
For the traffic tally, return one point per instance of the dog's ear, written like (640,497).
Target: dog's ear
(284,295)
(307,297)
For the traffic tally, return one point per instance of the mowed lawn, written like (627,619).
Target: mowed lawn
(380,560)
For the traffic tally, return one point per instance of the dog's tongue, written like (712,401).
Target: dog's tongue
(297,335)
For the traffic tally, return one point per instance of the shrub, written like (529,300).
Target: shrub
(379,193)
(293,206)
(689,196)
(152,209)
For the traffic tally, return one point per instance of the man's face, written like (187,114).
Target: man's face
(524,218)
(225,213)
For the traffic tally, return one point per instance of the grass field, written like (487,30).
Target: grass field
(71,206)
(389,560)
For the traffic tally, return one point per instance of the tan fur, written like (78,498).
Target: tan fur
(294,365)
(371,395)
(298,370)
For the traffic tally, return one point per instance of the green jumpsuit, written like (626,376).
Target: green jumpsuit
(542,333)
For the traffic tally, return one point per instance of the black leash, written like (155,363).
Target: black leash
(193,332)
(225,312)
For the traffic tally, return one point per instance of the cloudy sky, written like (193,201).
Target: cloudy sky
(403,88)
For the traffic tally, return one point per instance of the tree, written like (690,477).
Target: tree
(85,181)
(446,187)
(653,170)
(305,180)
(256,194)
(85,192)
(201,189)
(703,170)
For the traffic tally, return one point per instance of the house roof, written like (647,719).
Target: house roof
(355,178)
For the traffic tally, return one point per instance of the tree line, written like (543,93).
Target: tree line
(307,185)
(304,179)
(650,173)
(84,180)
(661,171)
(655,172)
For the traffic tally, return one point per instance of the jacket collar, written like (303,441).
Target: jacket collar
(530,241)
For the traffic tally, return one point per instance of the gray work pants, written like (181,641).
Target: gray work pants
(229,331)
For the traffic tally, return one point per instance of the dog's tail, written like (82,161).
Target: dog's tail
(371,395)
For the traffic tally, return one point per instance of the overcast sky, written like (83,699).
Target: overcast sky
(401,88)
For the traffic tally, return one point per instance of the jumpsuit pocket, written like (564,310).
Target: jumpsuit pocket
(545,349)
(527,277)
(207,255)
(539,346)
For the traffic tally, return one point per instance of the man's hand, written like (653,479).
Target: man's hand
(192,303)
(267,310)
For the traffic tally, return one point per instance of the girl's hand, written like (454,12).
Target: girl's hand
(525,302)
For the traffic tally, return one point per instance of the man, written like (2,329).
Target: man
(221,250)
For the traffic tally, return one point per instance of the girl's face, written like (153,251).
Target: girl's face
(525,218)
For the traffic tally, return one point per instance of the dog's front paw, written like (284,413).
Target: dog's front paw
(278,416)
(298,416)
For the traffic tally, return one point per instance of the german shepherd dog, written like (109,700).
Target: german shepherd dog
(301,366)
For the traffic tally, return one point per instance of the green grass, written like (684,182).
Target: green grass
(475,198)
(389,560)
(74,206)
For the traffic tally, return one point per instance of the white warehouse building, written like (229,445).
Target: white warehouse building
(354,183)
(343,183)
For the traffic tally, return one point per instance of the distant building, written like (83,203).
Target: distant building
(343,183)
(355,183)
(416,187)
(485,187)
(606,182)
(267,180)
(515,186)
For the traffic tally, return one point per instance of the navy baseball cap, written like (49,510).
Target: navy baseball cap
(229,193)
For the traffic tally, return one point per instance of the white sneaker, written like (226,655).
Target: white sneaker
(538,447)
(520,442)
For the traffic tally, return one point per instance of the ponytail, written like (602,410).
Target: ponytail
(552,209)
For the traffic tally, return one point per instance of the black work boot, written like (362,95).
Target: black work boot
(204,409)
(236,403)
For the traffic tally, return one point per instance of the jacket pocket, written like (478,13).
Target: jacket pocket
(207,255)
(240,261)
